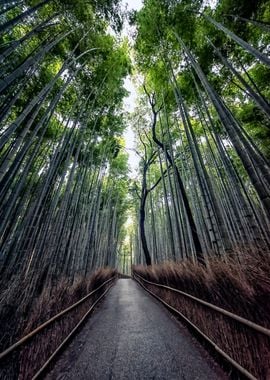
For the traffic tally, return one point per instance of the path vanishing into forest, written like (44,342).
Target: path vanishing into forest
(132,337)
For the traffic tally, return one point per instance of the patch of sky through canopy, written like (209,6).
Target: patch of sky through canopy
(131,99)
(130,85)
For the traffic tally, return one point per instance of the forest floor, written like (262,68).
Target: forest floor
(131,336)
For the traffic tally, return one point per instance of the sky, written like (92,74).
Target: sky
(130,101)
(129,136)
(133,4)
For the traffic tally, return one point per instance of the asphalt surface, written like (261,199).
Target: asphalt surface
(130,337)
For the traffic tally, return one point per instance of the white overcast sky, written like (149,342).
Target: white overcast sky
(130,101)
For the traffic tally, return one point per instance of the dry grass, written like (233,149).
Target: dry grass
(24,363)
(240,287)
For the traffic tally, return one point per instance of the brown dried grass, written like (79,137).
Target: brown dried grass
(24,363)
(240,286)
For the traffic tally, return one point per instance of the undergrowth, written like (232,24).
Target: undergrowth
(241,286)
(27,360)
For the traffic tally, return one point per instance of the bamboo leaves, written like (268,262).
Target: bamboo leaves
(61,206)
(201,89)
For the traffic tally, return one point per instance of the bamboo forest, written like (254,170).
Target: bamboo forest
(135,149)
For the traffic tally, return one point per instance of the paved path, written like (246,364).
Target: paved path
(132,337)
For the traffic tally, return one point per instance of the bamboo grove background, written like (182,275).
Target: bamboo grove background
(203,126)
(63,177)
(202,200)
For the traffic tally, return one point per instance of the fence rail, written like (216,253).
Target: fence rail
(244,321)
(43,326)
(233,316)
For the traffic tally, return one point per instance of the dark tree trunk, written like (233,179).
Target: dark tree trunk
(148,259)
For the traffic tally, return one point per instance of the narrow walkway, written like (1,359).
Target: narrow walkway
(132,337)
